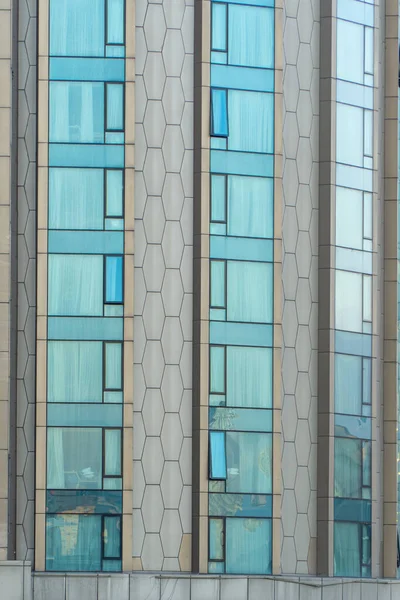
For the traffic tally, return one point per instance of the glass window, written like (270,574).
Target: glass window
(249,462)
(76,198)
(77,28)
(217,369)
(112,452)
(219,27)
(249,377)
(219,113)
(217,283)
(76,112)
(114,279)
(348,384)
(250,206)
(350,51)
(113,366)
(74,458)
(349,218)
(367,216)
(218,198)
(217,455)
(73,543)
(347,555)
(112,537)
(367,380)
(251,36)
(367,298)
(115,106)
(251,121)
(368,132)
(216,543)
(249,292)
(114,192)
(75,285)
(350,135)
(74,372)
(248,546)
(348,301)
(115,21)
(369,51)
(348,463)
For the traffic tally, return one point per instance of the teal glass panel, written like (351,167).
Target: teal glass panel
(81,501)
(216,567)
(112,566)
(217,284)
(354,260)
(240,419)
(219,26)
(84,328)
(249,462)
(219,116)
(115,51)
(75,285)
(86,242)
(113,310)
(113,397)
(84,415)
(87,69)
(112,483)
(348,463)
(367,380)
(251,121)
(249,292)
(113,366)
(366,550)
(350,51)
(74,458)
(114,224)
(240,505)
(115,106)
(73,543)
(353,93)
(218,198)
(216,541)
(219,143)
(353,343)
(74,371)
(251,207)
(369,51)
(257,250)
(90,155)
(217,314)
(112,452)
(241,163)
(216,486)
(358,12)
(70,24)
(114,137)
(217,400)
(248,546)
(366,467)
(352,510)
(76,198)
(115,21)
(218,228)
(112,537)
(241,334)
(347,554)
(114,279)
(242,78)
(249,377)
(251,37)
(217,369)
(353,427)
(348,384)
(219,58)
(355,177)
(76,112)
(217,455)
(114,193)
(254,2)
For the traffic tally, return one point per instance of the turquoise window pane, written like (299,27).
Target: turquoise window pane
(218,27)
(86,242)
(112,458)
(114,196)
(113,310)
(217,455)
(76,198)
(216,542)
(76,112)
(114,279)
(87,69)
(218,200)
(251,207)
(219,117)
(241,78)
(248,546)
(84,415)
(367,380)
(366,467)
(113,366)
(115,137)
(77,28)
(74,371)
(70,328)
(347,554)
(216,567)
(366,550)
(249,377)
(353,427)
(114,224)
(79,501)
(239,505)
(116,51)
(73,543)
(251,37)
(353,343)
(348,463)
(112,566)
(112,483)
(74,458)
(357,511)
(251,121)
(115,107)
(219,57)
(113,397)
(115,21)
(75,285)
(240,419)
(89,155)
(240,248)
(112,537)
(350,51)
(249,462)
(217,369)
(242,163)
(217,268)
(249,292)
(348,385)
(241,334)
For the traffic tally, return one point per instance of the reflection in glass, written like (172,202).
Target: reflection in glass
(251,121)
(350,51)
(348,305)
(349,135)
(251,36)
(248,546)
(249,292)
(250,206)
(73,543)
(249,377)
(249,462)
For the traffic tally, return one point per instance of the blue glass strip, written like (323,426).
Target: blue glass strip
(87,69)
(115,51)
(114,279)
(241,334)
(215,568)
(240,419)
(85,328)
(220,58)
(84,415)
(354,177)
(354,260)
(253,2)
(111,566)
(353,343)
(242,78)
(356,11)
(217,455)
(242,163)
(353,427)
(357,511)
(234,248)
(240,505)
(355,94)
(84,501)
(86,155)
(86,242)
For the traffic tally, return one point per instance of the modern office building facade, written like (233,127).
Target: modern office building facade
(199,284)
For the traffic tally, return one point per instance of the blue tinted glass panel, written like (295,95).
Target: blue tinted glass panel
(217,400)
(251,37)
(353,343)
(219,117)
(352,510)
(350,51)
(73,543)
(217,268)
(87,242)
(113,397)
(217,314)
(249,377)
(353,427)
(112,566)
(249,292)
(116,51)
(74,371)
(354,260)
(242,78)
(75,285)
(112,452)
(112,483)
(258,250)
(76,198)
(112,537)
(369,50)
(241,334)
(355,177)
(84,69)
(216,542)
(216,567)
(348,385)
(114,224)
(241,163)
(367,366)
(248,546)
(218,199)
(84,328)
(348,461)
(220,58)
(114,137)
(348,301)
(114,279)
(240,505)
(80,501)
(77,155)
(240,419)
(217,369)
(358,12)
(353,93)
(250,207)
(217,455)
(113,366)
(115,107)
(218,27)
(249,462)
(218,228)
(115,21)
(251,121)
(349,135)
(77,28)
(347,554)
(366,468)
(254,2)
(114,197)
(85,415)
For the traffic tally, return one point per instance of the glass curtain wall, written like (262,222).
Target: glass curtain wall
(85,285)
(241,286)
(353,287)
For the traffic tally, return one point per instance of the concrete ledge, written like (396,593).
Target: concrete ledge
(15,580)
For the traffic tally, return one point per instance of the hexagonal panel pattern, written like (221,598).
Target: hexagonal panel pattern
(163,278)
(299,282)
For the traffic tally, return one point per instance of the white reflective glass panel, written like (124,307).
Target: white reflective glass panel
(349,218)
(350,135)
(348,301)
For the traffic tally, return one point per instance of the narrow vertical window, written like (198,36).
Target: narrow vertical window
(112,452)
(218,198)
(218,287)
(216,543)
(115,21)
(219,27)
(114,279)
(113,366)
(115,106)
(217,455)
(367,298)
(114,193)
(369,50)
(219,113)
